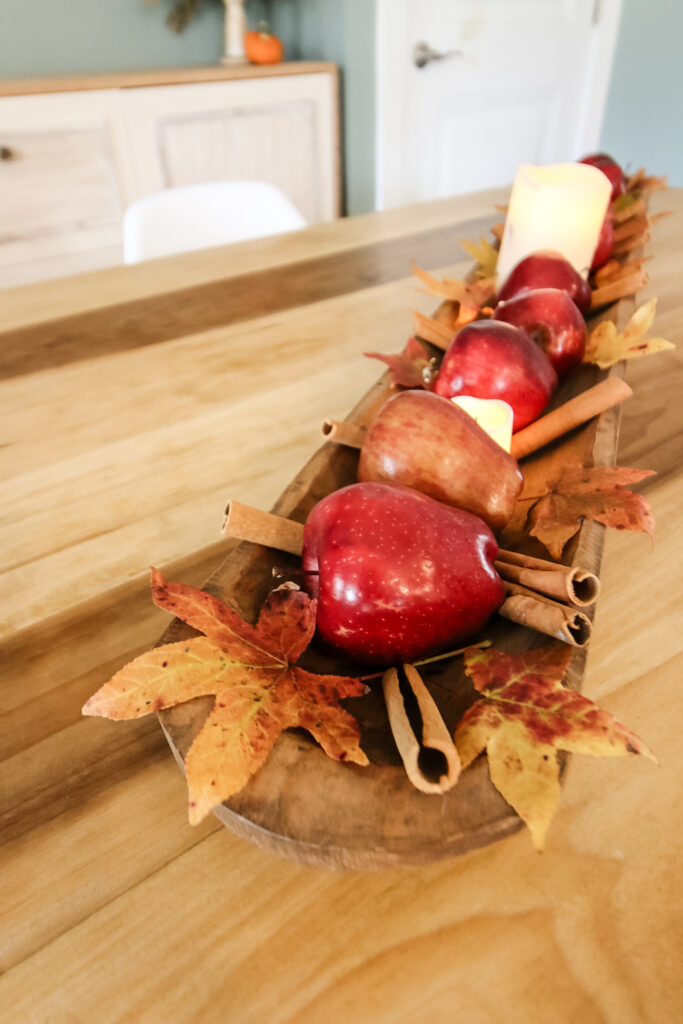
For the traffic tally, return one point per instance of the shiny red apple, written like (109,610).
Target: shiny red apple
(610,168)
(552,320)
(396,574)
(546,269)
(603,249)
(490,359)
(425,441)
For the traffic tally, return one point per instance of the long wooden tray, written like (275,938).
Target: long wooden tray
(305,806)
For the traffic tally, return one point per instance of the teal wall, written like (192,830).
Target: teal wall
(642,125)
(342,31)
(60,37)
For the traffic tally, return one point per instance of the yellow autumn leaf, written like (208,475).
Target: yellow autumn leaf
(606,346)
(485,255)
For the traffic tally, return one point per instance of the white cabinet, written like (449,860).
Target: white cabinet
(278,130)
(72,160)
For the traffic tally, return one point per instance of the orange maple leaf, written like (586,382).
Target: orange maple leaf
(259,690)
(411,368)
(471,296)
(598,493)
(525,717)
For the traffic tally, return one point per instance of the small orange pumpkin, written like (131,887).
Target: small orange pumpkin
(261,47)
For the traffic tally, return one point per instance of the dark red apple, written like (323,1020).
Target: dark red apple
(603,249)
(547,269)
(397,575)
(610,168)
(490,359)
(552,320)
(425,441)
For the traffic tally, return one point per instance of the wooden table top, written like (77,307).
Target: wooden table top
(134,403)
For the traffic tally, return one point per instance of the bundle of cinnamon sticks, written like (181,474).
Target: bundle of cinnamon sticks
(547,596)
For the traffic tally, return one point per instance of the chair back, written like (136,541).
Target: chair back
(199,216)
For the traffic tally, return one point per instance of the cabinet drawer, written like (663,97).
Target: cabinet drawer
(64,178)
(56,181)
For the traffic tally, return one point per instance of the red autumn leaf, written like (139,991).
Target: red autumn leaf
(525,716)
(598,493)
(411,368)
(259,690)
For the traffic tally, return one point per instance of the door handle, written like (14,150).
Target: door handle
(423,54)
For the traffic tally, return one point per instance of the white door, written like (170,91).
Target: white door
(516,81)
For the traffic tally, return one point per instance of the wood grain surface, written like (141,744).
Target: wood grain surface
(111,907)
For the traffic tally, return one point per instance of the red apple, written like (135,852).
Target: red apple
(552,320)
(490,359)
(425,441)
(603,249)
(547,269)
(610,168)
(397,575)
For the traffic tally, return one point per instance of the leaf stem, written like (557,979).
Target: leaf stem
(432,660)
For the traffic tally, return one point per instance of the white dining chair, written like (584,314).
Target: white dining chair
(199,216)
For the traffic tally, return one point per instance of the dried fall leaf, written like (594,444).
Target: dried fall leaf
(598,493)
(526,715)
(259,690)
(606,346)
(485,255)
(411,368)
(470,296)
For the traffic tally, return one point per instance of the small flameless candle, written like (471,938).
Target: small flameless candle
(492,415)
(561,207)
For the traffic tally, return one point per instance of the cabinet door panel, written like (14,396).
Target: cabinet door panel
(280,130)
(273,143)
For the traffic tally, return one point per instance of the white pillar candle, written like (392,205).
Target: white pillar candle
(561,207)
(492,415)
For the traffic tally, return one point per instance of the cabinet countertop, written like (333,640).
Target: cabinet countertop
(163,76)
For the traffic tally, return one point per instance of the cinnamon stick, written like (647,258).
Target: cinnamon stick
(631,211)
(530,609)
(421,735)
(571,414)
(630,227)
(630,243)
(247,523)
(431,330)
(562,582)
(344,432)
(618,289)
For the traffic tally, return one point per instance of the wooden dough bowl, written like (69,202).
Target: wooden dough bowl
(307,807)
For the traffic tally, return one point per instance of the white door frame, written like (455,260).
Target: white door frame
(393,48)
